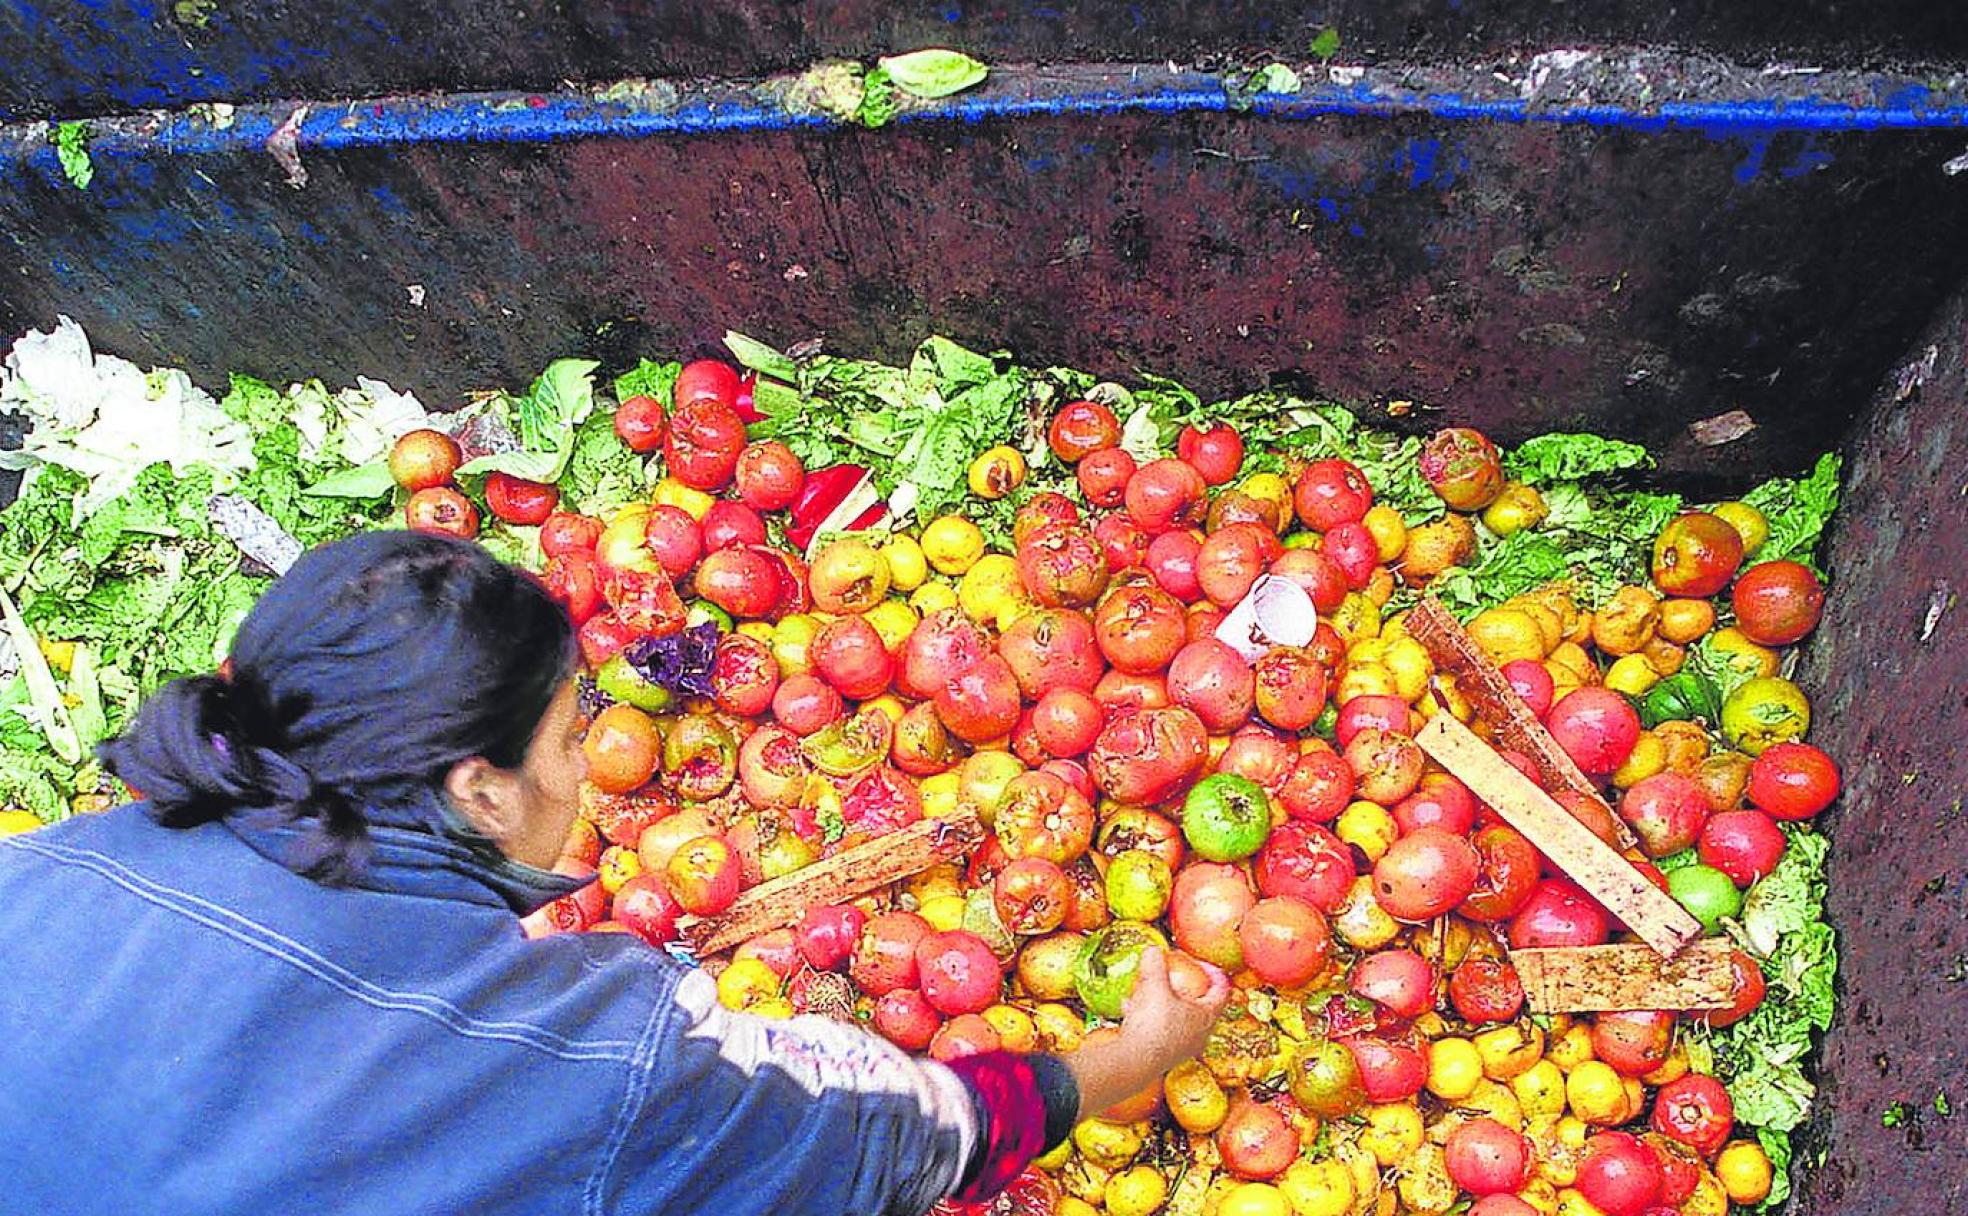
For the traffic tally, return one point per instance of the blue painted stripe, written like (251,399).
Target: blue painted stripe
(492,118)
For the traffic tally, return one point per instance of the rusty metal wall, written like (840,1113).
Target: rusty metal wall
(1888,673)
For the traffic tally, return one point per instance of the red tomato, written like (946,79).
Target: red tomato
(1425,874)
(1597,727)
(826,934)
(704,441)
(1390,1069)
(1507,873)
(1308,861)
(1531,681)
(1793,781)
(1559,913)
(1633,1042)
(706,378)
(565,532)
(1081,428)
(639,424)
(1103,476)
(1746,987)
(519,501)
(1486,990)
(1487,1158)
(572,582)
(1745,845)
(769,476)
(1619,1175)
(1777,603)
(602,637)
(443,511)
(1165,493)
(1319,786)
(1399,980)
(1285,941)
(959,974)
(424,459)
(1216,452)
(1695,1110)
(884,957)
(1330,493)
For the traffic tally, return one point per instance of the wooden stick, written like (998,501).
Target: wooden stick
(1587,860)
(1498,704)
(1578,979)
(857,871)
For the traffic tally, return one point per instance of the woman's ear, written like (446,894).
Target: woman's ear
(491,799)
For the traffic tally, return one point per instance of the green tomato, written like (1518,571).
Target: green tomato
(1683,696)
(1226,817)
(1707,893)
(1303,540)
(1326,725)
(619,679)
(1108,962)
(1138,884)
(699,611)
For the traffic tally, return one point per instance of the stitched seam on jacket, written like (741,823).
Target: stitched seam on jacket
(256,936)
(641,1075)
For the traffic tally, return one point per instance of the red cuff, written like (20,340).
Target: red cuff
(1014,1125)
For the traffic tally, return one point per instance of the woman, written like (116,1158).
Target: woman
(293,978)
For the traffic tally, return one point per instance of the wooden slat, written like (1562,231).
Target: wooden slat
(1580,979)
(1587,860)
(844,876)
(1499,706)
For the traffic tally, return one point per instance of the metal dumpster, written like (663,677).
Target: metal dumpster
(1611,216)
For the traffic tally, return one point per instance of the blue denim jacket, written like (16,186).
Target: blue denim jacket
(186,1026)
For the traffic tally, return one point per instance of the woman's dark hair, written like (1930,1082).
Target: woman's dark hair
(356,683)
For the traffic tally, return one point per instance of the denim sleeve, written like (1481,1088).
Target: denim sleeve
(733,1114)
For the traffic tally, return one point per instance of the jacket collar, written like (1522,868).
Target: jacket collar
(409,858)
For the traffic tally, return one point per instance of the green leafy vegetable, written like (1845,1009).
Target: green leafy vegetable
(1572,457)
(763,359)
(71,140)
(1798,509)
(1325,45)
(602,472)
(364,481)
(934,73)
(559,401)
(879,104)
(648,379)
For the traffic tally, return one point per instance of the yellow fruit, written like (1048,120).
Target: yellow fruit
(757,630)
(1682,620)
(1364,680)
(1742,655)
(933,597)
(1631,674)
(1014,1027)
(1569,664)
(1196,1101)
(1743,1169)
(894,621)
(940,795)
(1085,1180)
(1111,1145)
(777,1007)
(1509,1051)
(1369,827)
(1765,711)
(1249,1199)
(1540,1089)
(1710,1197)
(1672,1069)
(745,983)
(1571,1203)
(1388,529)
(672,493)
(1393,1132)
(943,912)
(1517,508)
(1649,756)
(997,472)
(1551,625)
(1425,1187)
(1541,1195)
(617,867)
(1061,1031)
(1454,1068)
(1494,1099)
(1636,1098)
(1434,547)
(1136,1191)
(1356,618)
(1317,1188)
(952,544)
(988,585)
(1507,634)
(1070,1205)
(1748,522)
(1360,921)
(1664,657)
(1407,660)
(1596,1094)
(907,566)
(1554,1150)
(791,638)
(16,822)
(1627,621)
(1570,1048)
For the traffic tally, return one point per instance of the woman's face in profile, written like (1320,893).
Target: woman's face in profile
(551,778)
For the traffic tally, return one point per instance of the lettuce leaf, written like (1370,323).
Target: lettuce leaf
(545,420)
(1798,509)
(602,473)
(650,379)
(1562,456)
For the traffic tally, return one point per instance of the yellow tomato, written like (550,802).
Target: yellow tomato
(1454,1068)
(617,866)
(1014,1026)
(1425,1186)
(1271,488)
(1569,664)
(933,597)
(1550,623)
(952,544)
(1517,508)
(1507,634)
(1540,1089)
(791,638)
(1108,1144)
(746,983)
(1509,1051)
(1249,1199)
(1684,620)
(1765,711)
(1571,1203)
(1136,1191)
(1317,1188)
(907,566)
(943,912)
(1410,665)
(776,1007)
(1195,1100)
(1742,655)
(1070,1205)
(894,621)
(757,630)
(1364,680)
(1710,1197)
(997,472)
(1369,827)
(1596,1094)
(1570,1048)
(1388,529)
(670,492)
(1541,1195)
(1360,921)
(1649,756)
(990,583)
(1393,1132)
(940,795)
(1494,1099)
(1631,674)
(17,822)
(1743,1169)
(1357,617)
(1061,1031)
(1749,523)
(1673,1068)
